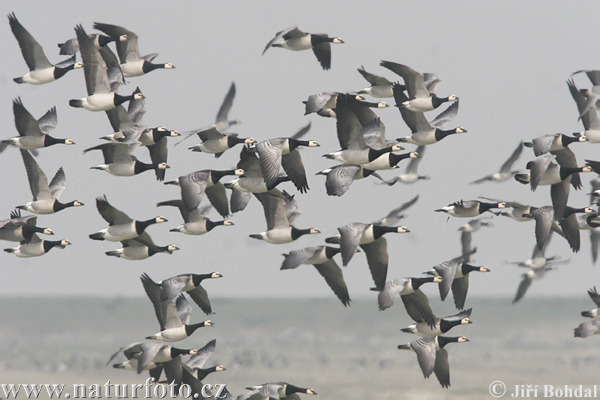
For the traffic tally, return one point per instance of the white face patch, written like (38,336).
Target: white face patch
(337,40)
(172,247)
(69,141)
(175,133)
(227,223)
(78,65)
(502,205)
(314,231)
(163,165)
(138,96)
(65,242)
(48,231)
(239,172)
(462,339)
(208,322)
(414,154)
(250,141)
(216,275)
(169,66)
(312,143)
(160,219)
(437,279)
(382,104)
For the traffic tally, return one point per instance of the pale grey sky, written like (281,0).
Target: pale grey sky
(508,62)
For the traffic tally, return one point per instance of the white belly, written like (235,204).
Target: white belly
(133,68)
(99,102)
(121,169)
(39,76)
(279,236)
(419,105)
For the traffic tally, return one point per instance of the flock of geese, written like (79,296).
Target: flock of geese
(263,166)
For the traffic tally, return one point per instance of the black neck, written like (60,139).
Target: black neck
(140,167)
(202,373)
(446,325)
(49,141)
(157,134)
(380,230)
(49,244)
(216,176)
(417,282)
(61,206)
(189,329)
(140,226)
(318,39)
(232,140)
(118,99)
(567,140)
(60,71)
(483,207)
(197,278)
(293,143)
(291,389)
(211,224)
(375,154)
(148,66)
(466,268)
(331,251)
(367,172)
(571,210)
(175,352)
(296,233)
(437,101)
(440,134)
(104,40)
(444,340)
(396,158)
(566,171)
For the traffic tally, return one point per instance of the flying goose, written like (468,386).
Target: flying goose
(469,208)
(120,161)
(340,177)
(505,172)
(321,257)
(380,87)
(132,63)
(595,313)
(36,247)
(197,362)
(422,131)
(283,152)
(277,390)
(128,126)
(19,229)
(71,46)
(419,99)
(415,301)
(467,229)
(544,216)
(214,140)
(528,277)
(196,222)
(455,275)
(101,96)
(433,357)
(325,103)
(280,222)
(361,136)
(411,175)
(441,326)
(173,316)
(296,40)
(570,225)
(40,69)
(393,217)
(370,238)
(120,226)
(251,182)
(589,118)
(189,283)
(159,353)
(586,329)
(45,197)
(552,142)
(140,248)
(193,187)
(33,134)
